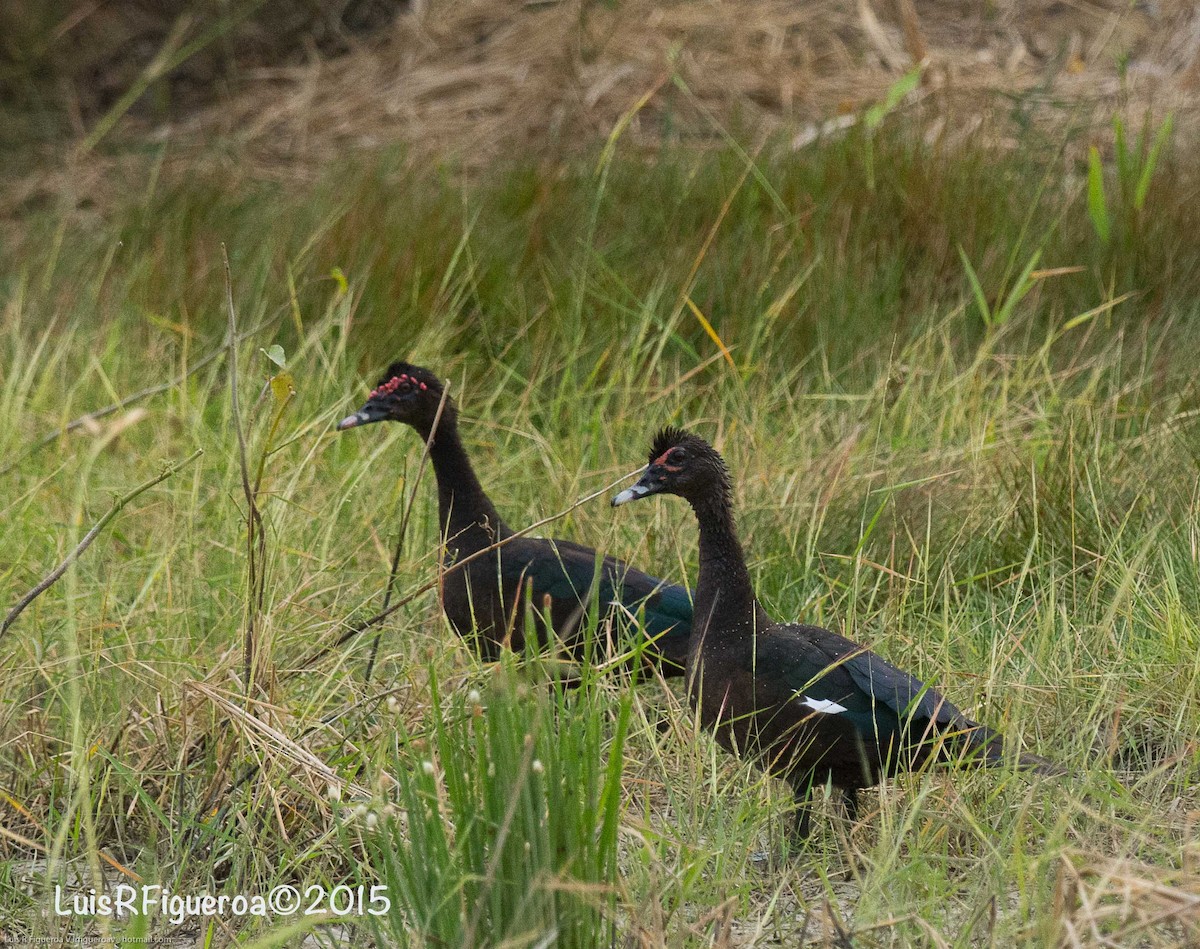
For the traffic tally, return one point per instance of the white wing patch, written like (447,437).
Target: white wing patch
(823,705)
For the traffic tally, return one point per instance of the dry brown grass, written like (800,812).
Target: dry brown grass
(475,80)
(478,78)
(1125,903)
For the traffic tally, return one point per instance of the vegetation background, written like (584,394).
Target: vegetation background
(926,271)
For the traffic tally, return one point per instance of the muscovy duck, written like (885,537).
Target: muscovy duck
(484,600)
(809,705)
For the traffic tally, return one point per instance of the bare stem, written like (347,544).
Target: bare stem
(253,518)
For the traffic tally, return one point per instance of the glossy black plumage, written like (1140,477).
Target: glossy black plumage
(811,706)
(485,600)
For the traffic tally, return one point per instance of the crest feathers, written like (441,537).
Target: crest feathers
(666,439)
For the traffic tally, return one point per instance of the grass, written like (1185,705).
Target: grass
(508,832)
(1005,506)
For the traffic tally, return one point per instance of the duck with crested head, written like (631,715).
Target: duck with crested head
(807,704)
(484,600)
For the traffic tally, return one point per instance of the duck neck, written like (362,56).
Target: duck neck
(467,517)
(725,605)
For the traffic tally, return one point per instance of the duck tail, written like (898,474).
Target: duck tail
(991,747)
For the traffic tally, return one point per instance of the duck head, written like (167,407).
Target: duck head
(680,463)
(406,393)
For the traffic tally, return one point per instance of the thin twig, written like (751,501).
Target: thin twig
(231,343)
(387,596)
(90,536)
(259,591)
(253,518)
(457,565)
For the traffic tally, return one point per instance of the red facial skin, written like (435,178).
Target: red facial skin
(661,462)
(393,384)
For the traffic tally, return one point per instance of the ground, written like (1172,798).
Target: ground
(940,320)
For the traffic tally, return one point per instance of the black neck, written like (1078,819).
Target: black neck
(725,601)
(468,519)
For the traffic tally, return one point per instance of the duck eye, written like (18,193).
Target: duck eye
(677,456)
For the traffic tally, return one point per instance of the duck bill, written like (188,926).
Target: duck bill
(365,416)
(643,489)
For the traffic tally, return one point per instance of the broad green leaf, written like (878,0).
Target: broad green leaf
(276,355)
(283,387)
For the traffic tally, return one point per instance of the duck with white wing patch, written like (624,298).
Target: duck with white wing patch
(809,705)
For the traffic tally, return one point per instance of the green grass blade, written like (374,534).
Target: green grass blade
(981,301)
(1097,203)
(1161,137)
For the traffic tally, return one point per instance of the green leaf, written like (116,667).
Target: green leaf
(342,282)
(1160,140)
(1023,285)
(976,288)
(276,355)
(1097,203)
(895,94)
(283,387)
